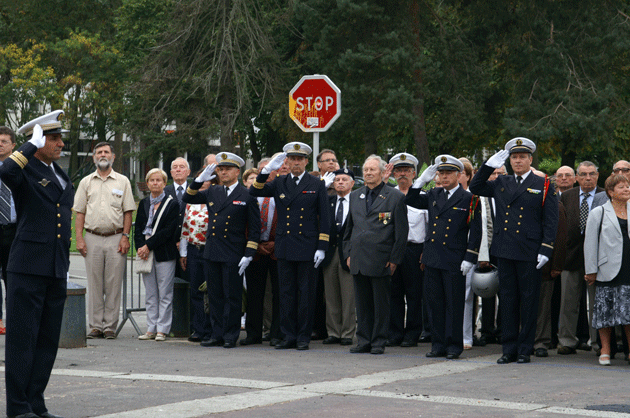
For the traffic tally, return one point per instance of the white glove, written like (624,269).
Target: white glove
(542,260)
(243,264)
(274,164)
(466,266)
(425,177)
(498,159)
(206,174)
(328,178)
(319,257)
(183,247)
(38,139)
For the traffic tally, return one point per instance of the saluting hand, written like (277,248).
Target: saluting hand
(274,164)
(207,174)
(328,178)
(498,159)
(425,177)
(38,139)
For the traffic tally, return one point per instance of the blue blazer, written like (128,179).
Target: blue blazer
(523,226)
(450,237)
(163,241)
(44,213)
(303,215)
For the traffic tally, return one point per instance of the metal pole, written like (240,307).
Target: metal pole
(315,149)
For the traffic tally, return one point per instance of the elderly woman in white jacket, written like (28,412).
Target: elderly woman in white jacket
(607,262)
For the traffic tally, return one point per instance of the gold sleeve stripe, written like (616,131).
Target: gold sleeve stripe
(548,246)
(253,245)
(21,156)
(324,237)
(474,252)
(191,192)
(17,160)
(258,185)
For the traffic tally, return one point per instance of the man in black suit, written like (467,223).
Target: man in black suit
(577,202)
(450,251)
(231,242)
(524,236)
(36,285)
(301,239)
(374,245)
(341,319)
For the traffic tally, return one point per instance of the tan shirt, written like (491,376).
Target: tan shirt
(104,201)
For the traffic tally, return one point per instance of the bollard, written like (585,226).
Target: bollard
(181,309)
(73,322)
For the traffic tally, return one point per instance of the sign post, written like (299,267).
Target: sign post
(314,105)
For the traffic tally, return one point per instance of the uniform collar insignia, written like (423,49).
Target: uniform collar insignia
(44,182)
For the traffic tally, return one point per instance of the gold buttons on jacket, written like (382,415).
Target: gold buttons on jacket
(58,235)
(58,205)
(59,215)
(58,225)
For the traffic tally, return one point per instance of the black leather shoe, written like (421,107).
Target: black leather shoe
(317,336)
(345,341)
(478,342)
(211,342)
(267,337)
(49,415)
(408,343)
(565,350)
(377,350)
(27,415)
(523,358)
(284,344)
(250,341)
(331,340)
(194,338)
(229,344)
(274,342)
(506,358)
(432,354)
(584,347)
(393,343)
(541,352)
(452,356)
(302,346)
(425,339)
(360,349)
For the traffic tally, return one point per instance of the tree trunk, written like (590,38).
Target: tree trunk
(118,150)
(75,133)
(420,135)
(371,146)
(227,119)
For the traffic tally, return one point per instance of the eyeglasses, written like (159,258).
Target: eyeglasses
(329,160)
(622,170)
(593,174)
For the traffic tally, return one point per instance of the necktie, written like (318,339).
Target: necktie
(226,191)
(339,215)
(583,212)
(264,214)
(55,179)
(180,193)
(519,179)
(5,204)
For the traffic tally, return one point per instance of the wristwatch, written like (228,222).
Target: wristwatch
(125,235)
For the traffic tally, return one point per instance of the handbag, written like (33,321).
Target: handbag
(146,266)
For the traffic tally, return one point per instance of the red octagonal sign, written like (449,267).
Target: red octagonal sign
(315,103)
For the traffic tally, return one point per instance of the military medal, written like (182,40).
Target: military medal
(211,203)
(282,196)
(362,196)
(44,182)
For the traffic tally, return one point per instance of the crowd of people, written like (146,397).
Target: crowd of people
(389,263)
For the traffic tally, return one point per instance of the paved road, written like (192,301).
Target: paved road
(131,378)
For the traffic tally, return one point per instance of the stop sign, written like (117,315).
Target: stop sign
(315,103)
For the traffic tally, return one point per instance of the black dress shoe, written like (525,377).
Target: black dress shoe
(478,342)
(565,350)
(211,342)
(360,349)
(452,356)
(425,339)
(345,341)
(506,358)
(331,340)
(317,336)
(432,354)
(284,344)
(229,344)
(408,343)
(377,350)
(27,415)
(267,337)
(302,345)
(393,343)
(584,347)
(250,341)
(194,338)
(49,415)
(523,358)
(541,352)
(274,342)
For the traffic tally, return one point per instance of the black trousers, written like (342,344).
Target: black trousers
(372,297)
(407,286)
(256,277)
(297,286)
(196,266)
(446,294)
(7,234)
(225,291)
(519,291)
(34,314)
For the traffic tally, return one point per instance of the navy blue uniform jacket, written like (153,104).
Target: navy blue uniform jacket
(303,215)
(523,226)
(233,223)
(450,237)
(42,242)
